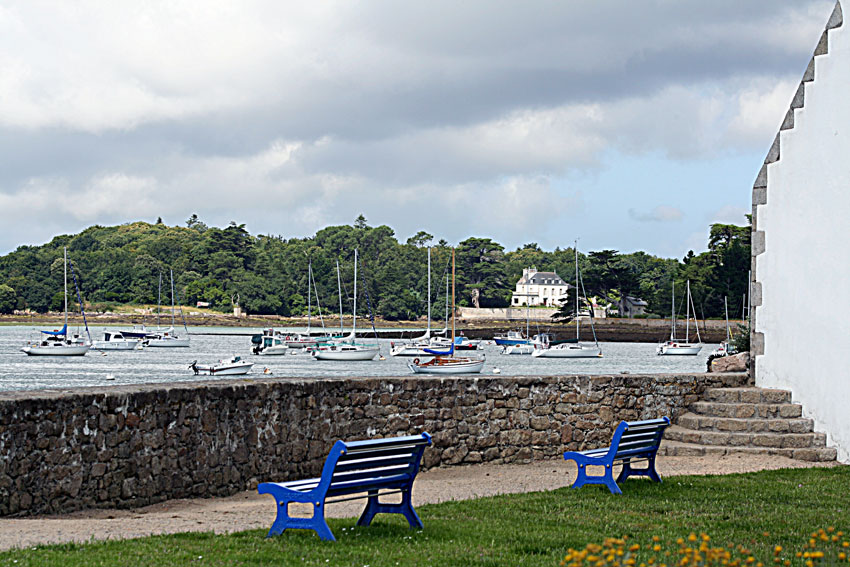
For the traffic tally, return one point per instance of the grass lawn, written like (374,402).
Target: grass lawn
(756,510)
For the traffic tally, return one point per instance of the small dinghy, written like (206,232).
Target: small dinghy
(231,367)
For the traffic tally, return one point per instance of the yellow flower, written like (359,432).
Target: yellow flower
(692,537)
(777,550)
(656,547)
(842,555)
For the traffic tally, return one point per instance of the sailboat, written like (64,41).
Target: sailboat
(726,347)
(525,347)
(675,347)
(57,343)
(348,348)
(417,346)
(168,337)
(444,362)
(573,349)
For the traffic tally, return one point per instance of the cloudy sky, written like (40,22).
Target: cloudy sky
(629,125)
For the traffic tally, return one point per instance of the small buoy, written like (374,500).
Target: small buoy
(103,354)
(381,357)
(267,370)
(497,371)
(110,377)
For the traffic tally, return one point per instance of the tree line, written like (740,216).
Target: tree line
(268,274)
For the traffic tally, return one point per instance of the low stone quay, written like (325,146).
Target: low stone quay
(121,447)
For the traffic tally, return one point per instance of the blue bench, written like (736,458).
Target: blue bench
(354,467)
(633,441)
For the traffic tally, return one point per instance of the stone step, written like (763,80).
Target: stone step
(752,424)
(746,410)
(749,395)
(745,439)
(811,454)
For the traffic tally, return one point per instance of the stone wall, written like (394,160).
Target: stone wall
(132,446)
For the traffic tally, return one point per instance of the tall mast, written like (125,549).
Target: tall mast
(354,318)
(673,312)
(575,247)
(309,291)
(453,298)
(158,299)
(527,301)
(429,291)
(339,287)
(65,266)
(447,301)
(726,310)
(688,314)
(171,272)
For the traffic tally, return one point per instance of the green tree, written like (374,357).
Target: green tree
(481,278)
(8,299)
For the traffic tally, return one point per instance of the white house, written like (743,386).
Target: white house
(800,207)
(540,288)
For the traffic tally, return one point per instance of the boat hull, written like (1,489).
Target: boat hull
(518,349)
(169,343)
(235,370)
(276,350)
(116,345)
(69,350)
(331,353)
(568,351)
(508,342)
(678,349)
(466,367)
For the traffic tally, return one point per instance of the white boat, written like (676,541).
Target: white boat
(569,350)
(348,348)
(444,362)
(117,341)
(675,347)
(511,338)
(232,366)
(269,344)
(573,349)
(57,343)
(726,347)
(168,337)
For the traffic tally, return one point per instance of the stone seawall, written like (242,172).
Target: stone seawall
(132,446)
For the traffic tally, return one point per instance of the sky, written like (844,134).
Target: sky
(626,125)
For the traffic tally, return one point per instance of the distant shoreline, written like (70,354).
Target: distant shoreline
(607,330)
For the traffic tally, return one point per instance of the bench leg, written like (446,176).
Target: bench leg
(648,471)
(317,523)
(607,478)
(405,508)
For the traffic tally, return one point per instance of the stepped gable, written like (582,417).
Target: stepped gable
(746,420)
(757,339)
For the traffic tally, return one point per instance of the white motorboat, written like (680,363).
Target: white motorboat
(57,343)
(117,341)
(518,349)
(269,344)
(347,348)
(675,347)
(573,349)
(444,362)
(232,366)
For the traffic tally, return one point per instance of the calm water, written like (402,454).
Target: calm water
(21,372)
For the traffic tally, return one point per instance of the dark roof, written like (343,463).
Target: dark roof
(544,278)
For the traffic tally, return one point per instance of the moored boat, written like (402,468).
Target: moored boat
(232,366)
(115,340)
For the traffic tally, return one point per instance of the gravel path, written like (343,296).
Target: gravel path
(249,510)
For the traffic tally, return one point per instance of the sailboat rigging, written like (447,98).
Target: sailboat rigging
(675,347)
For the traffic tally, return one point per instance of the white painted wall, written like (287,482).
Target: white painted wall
(805,268)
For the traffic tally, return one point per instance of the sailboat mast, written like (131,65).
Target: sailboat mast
(354,318)
(171,273)
(673,313)
(726,310)
(575,247)
(527,313)
(339,288)
(453,298)
(309,296)
(158,299)
(65,266)
(688,313)
(429,291)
